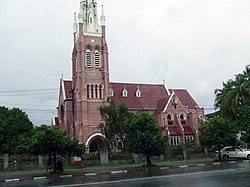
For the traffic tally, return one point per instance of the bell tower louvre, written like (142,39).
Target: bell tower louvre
(80,98)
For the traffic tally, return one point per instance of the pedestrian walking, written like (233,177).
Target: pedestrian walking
(59,163)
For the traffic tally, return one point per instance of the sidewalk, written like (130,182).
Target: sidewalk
(6,176)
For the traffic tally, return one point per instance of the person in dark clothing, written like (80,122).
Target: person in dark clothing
(59,163)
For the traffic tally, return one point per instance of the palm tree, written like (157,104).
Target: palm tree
(239,95)
(223,99)
(234,95)
(246,72)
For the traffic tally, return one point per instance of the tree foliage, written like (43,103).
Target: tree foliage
(219,132)
(143,136)
(15,131)
(234,95)
(244,124)
(113,126)
(53,141)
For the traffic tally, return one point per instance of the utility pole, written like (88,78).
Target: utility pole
(73,114)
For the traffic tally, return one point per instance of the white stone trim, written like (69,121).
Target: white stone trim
(169,100)
(92,34)
(63,90)
(165,86)
(92,136)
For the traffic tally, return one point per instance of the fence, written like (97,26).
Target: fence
(29,162)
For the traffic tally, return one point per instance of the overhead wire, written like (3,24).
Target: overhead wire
(34,108)
(28,92)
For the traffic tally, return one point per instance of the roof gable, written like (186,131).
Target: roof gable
(67,88)
(185,98)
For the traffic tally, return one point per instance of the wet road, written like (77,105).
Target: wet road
(231,174)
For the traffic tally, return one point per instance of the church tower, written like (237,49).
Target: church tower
(90,73)
(81,97)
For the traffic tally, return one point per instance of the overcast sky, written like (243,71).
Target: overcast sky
(192,44)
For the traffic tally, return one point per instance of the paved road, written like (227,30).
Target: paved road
(216,178)
(216,175)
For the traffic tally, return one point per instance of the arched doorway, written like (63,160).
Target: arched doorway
(95,143)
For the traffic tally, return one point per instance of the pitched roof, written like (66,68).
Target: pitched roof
(153,96)
(188,130)
(185,98)
(150,95)
(67,85)
(161,104)
(174,130)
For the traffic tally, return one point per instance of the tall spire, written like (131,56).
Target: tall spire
(88,18)
(75,26)
(81,13)
(102,17)
(92,1)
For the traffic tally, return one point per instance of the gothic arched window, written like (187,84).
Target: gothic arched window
(88,58)
(125,92)
(183,118)
(170,119)
(97,58)
(138,92)
(111,92)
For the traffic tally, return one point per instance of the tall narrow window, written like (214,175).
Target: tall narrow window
(97,58)
(188,138)
(92,91)
(111,92)
(175,140)
(170,119)
(96,91)
(183,119)
(88,91)
(100,91)
(88,58)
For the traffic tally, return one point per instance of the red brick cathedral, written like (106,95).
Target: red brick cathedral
(81,97)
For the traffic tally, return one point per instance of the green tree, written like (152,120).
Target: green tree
(15,131)
(219,132)
(234,95)
(244,124)
(143,136)
(246,73)
(113,126)
(223,99)
(23,144)
(239,95)
(53,141)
